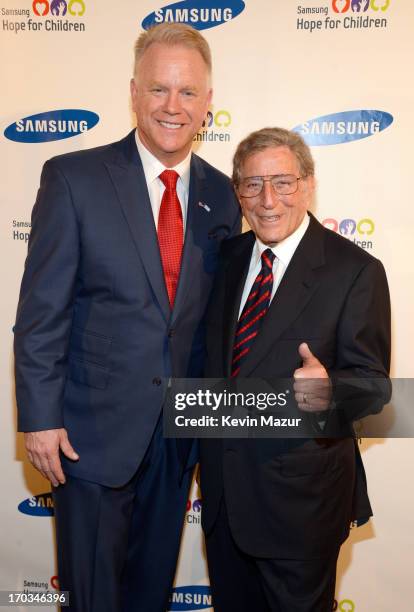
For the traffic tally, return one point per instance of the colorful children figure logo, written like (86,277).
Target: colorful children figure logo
(58,8)
(341,6)
(347,227)
(359,5)
(221,118)
(40,7)
(76,7)
(385,4)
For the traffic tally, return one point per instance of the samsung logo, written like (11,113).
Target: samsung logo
(52,125)
(39,505)
(190,598)
(343,127)
(201,15)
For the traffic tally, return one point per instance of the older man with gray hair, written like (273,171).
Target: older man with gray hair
(291,299)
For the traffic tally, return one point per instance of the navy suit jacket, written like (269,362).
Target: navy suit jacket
(95,338)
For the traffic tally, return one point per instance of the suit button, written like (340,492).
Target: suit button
(156,381)
(171,332)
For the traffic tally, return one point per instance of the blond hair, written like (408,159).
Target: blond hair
(173,34)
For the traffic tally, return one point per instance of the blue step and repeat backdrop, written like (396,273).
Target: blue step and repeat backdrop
(340,73)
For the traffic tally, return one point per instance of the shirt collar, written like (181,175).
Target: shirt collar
(285,249)
(153,167)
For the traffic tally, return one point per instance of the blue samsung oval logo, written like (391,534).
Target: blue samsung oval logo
(38,505)
(190,598)
(343,127)
(201,14)
(52,125)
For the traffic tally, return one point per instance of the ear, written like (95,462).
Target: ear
(133,90)
(240,200)
(310,181)
(209,99)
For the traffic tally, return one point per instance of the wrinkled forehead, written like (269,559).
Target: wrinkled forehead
(270,161)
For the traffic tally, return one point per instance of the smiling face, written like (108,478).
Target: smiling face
(271,216)
(170,95)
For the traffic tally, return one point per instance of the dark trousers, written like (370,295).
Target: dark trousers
(118,548)
(241,583)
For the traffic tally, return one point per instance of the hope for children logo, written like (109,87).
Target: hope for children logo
(343,15)
(215,128)
(193,512)
(357,231)
(45,16)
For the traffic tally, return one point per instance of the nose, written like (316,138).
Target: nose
(172,103)
(270,198)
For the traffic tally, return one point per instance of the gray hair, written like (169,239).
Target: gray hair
(273,137)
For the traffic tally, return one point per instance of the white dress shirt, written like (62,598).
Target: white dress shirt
(283,251)
(152,170)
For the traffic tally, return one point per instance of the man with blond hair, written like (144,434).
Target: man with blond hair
(121,258)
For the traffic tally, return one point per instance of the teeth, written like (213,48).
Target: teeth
(171,126)
(274,218)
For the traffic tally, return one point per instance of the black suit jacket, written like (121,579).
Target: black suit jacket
(95,338)
(284,498)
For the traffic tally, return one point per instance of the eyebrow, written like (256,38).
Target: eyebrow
(269,175)
(164,86)
(155,84)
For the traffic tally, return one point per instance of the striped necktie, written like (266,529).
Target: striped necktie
(255,308)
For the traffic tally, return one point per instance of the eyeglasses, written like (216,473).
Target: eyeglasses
(283,184)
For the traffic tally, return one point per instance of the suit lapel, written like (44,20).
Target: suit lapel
(294,292)
(235,279)
(130,185)
(194,234)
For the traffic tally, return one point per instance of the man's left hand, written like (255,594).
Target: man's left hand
(312,386)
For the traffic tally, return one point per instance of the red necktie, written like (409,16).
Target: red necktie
(255,308)
(170,232)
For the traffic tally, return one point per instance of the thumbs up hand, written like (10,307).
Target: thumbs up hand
(312,386)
